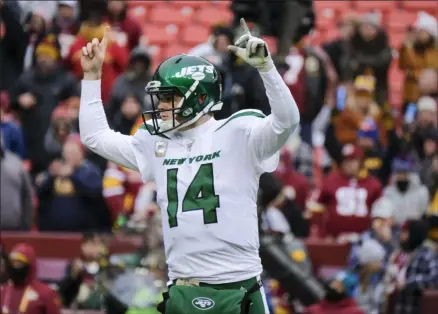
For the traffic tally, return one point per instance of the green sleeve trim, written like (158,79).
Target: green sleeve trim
(243,114)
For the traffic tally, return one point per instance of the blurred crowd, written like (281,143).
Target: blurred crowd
(360,170)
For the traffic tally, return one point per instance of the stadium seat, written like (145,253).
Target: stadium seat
(190,3)
(336,5)
(159,35)
(209,16)
(175,49)
(396,40)
(166,14)
(138,13)
(272,43)
(152,3)
(430,6)
(399,20)
(194,34)
(221,3)
(376,5)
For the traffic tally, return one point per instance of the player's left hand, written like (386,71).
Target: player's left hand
(255,51)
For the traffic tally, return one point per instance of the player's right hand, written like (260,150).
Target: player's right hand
(93,55)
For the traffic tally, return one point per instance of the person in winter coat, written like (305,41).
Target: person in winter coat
(23,293)
(70,193)
(115,61)
(37,93)
(406,193)
(12,44)
(381,230)
(418,52)
(370,54)
(131,83)
(338,299)
(16,208)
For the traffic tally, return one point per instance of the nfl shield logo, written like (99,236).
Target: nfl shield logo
(160,149)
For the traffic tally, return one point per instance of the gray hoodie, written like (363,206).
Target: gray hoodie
(409,205)
(16,207)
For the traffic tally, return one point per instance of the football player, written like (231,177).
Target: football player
(206,171)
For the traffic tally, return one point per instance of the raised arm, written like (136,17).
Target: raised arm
(94,129)
(268,135)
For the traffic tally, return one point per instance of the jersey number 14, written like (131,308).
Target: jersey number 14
(200,195)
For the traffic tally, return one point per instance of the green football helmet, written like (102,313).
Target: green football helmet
(192,78)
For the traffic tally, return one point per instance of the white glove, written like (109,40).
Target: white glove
(256,51)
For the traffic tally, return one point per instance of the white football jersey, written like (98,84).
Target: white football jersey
(207,181)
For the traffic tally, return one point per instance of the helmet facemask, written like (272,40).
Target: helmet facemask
(180,115)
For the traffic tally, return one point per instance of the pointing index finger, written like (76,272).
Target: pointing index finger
(244,26)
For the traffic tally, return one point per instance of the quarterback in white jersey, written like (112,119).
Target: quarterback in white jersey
(207,171)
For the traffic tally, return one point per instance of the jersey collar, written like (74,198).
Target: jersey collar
(198,130)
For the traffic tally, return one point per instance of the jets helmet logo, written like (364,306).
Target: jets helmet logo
(196,72)
(202,303)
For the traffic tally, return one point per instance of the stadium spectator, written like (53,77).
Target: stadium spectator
(70,193)
(117,57)
(60,128)
(37,93)
(10,130)
(339,48)
(16,209)
(126,31)
(78,286)
(215,49)
(36,27)
(369,292)
(370,54)
(277,203)
(24,293)
(346,122)
(131,83)
(242,89)
(411,236)
(421,274)
(346,197)
(65,25)
(120,189)
(428,83)
(382,231)
(417,53)
(339,298)
(406,192)
(12,44)
(289,175)
(374,152)
(427,120)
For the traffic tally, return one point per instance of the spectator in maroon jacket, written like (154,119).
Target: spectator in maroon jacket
(338,299)
(24,293)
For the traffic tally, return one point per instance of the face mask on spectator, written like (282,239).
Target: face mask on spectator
(334,296)
(402,185)
(18,275)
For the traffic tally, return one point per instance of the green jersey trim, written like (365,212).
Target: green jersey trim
(150,129)
(242,113)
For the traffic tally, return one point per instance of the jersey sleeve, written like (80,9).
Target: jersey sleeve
(96,133)
(268,135)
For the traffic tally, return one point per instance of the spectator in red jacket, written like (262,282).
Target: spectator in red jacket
(116,59)
(338,299)
(346,197)
(23,293)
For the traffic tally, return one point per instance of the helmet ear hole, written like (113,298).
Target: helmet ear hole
(202,98)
